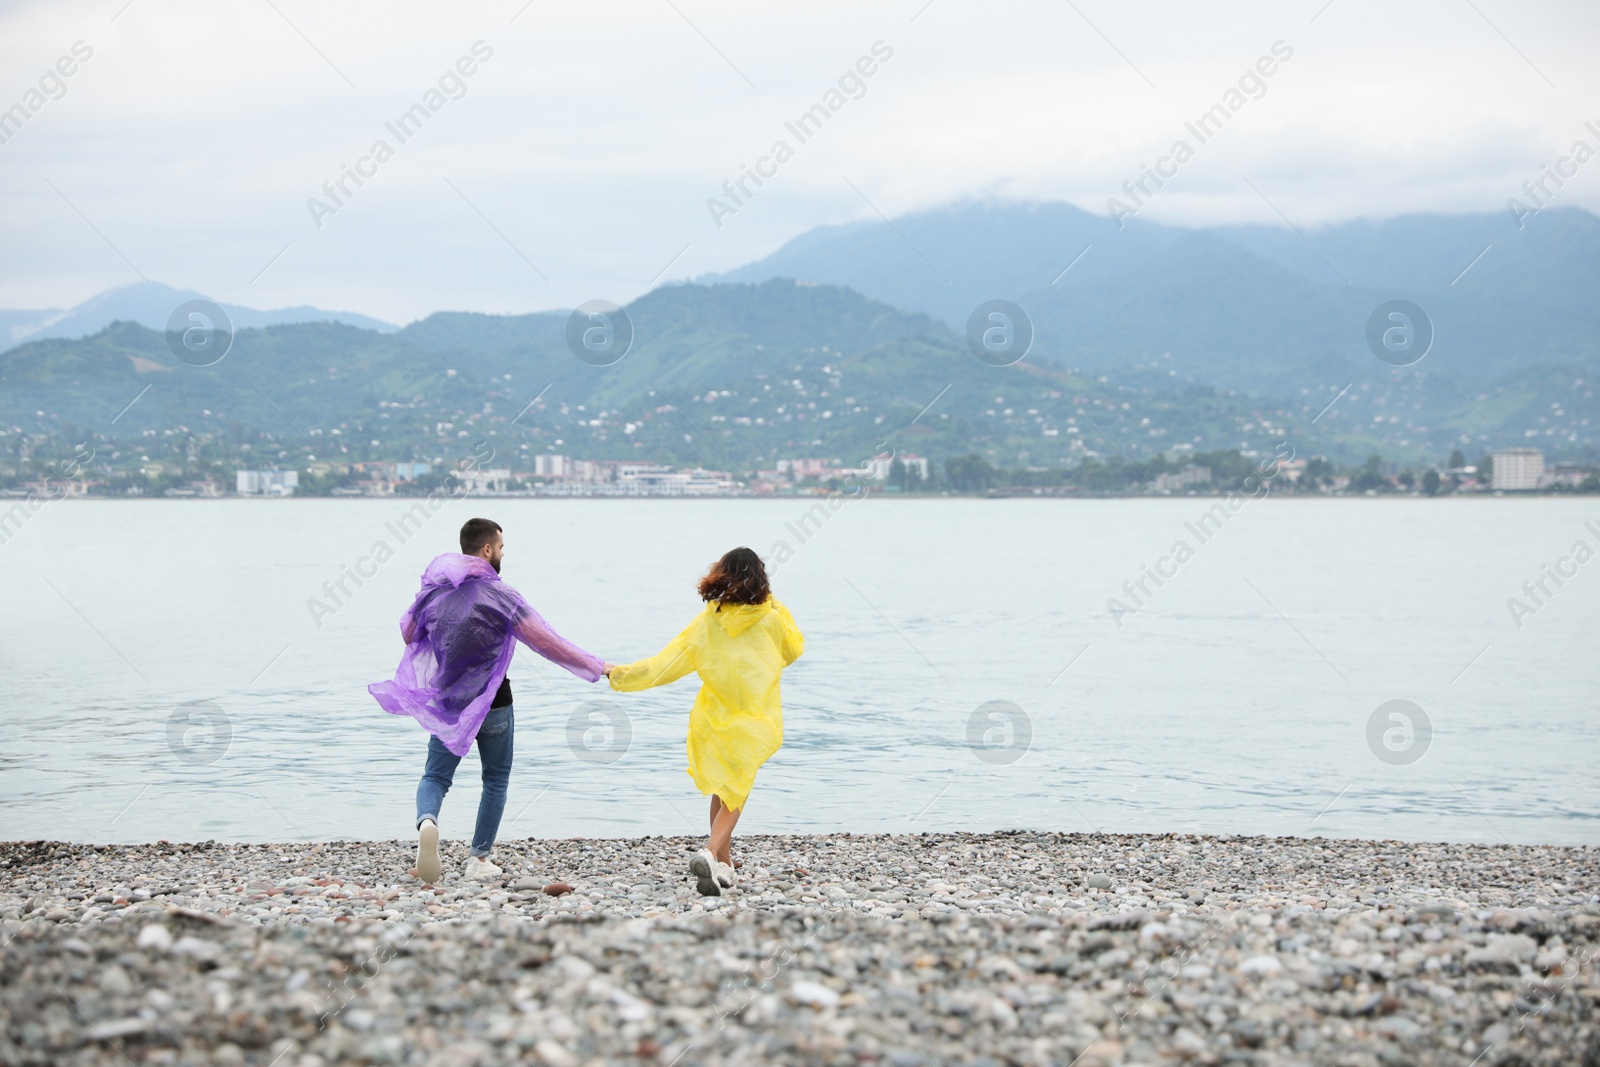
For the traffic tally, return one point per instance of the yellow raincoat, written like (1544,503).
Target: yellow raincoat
(736,723)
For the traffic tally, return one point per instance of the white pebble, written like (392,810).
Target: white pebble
(814,994)
(155,936)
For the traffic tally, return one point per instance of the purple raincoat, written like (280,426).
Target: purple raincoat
(460,633)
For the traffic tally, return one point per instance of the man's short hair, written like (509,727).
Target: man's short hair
(476,533)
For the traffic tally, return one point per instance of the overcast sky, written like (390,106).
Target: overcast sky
(577,160)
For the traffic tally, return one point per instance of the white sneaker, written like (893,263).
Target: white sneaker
(428,852)
(704,868)
(481,869)
(725,876)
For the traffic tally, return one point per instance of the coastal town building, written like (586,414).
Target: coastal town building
(1518,469)
(489,480)
(801,469)
(913,462)
(639,479)
(875,469)
(266,483)
(57,488)
(881,468)
(411,471)
(1566,475)
(1176,481)
(204,489)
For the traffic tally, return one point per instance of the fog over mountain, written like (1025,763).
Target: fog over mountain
(1246,307)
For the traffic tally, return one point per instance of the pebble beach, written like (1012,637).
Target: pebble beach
(1006,948)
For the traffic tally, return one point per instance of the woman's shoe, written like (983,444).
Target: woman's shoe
(725,876)
(704,868)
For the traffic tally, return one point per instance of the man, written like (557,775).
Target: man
(460,633)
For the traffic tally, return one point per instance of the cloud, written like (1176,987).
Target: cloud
(588,146)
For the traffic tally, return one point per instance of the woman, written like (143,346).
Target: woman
(738,645)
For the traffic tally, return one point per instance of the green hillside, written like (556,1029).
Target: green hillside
(737,377)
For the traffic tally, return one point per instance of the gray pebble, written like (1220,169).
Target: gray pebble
(941,948)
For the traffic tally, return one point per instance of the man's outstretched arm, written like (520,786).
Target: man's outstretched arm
(533,631)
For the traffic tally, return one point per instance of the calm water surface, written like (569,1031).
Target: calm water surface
(165,676)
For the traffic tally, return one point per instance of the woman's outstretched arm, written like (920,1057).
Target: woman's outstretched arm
(664,668)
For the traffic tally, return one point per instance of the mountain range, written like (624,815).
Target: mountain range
(1158,339)
(149,304)
(1253,308)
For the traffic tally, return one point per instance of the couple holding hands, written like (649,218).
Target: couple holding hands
(460,634)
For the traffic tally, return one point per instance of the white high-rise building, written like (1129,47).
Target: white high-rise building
(1518,468)
(878,468)
(549,465)
(266,483)
(911,461)
(481,480)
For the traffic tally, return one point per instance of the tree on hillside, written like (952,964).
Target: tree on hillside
(1369,476)
(907,477)
(970,473)
(1430,482)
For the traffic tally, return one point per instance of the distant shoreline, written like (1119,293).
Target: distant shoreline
(6,501)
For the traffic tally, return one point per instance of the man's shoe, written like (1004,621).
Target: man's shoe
(428,852)
(481,869)
(704,868)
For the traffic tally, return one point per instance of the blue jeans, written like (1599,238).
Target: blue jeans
(494,739)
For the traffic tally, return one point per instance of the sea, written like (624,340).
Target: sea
(1397,668)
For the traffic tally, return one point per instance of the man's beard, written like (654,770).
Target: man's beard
(495,563)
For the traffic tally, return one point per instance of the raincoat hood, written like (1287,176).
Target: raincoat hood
(737,618)
(453,568)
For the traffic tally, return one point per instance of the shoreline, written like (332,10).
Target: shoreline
(1222,837)
(1497,494)
(1020,947)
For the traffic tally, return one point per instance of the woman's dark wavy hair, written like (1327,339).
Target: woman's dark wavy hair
(737,578)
